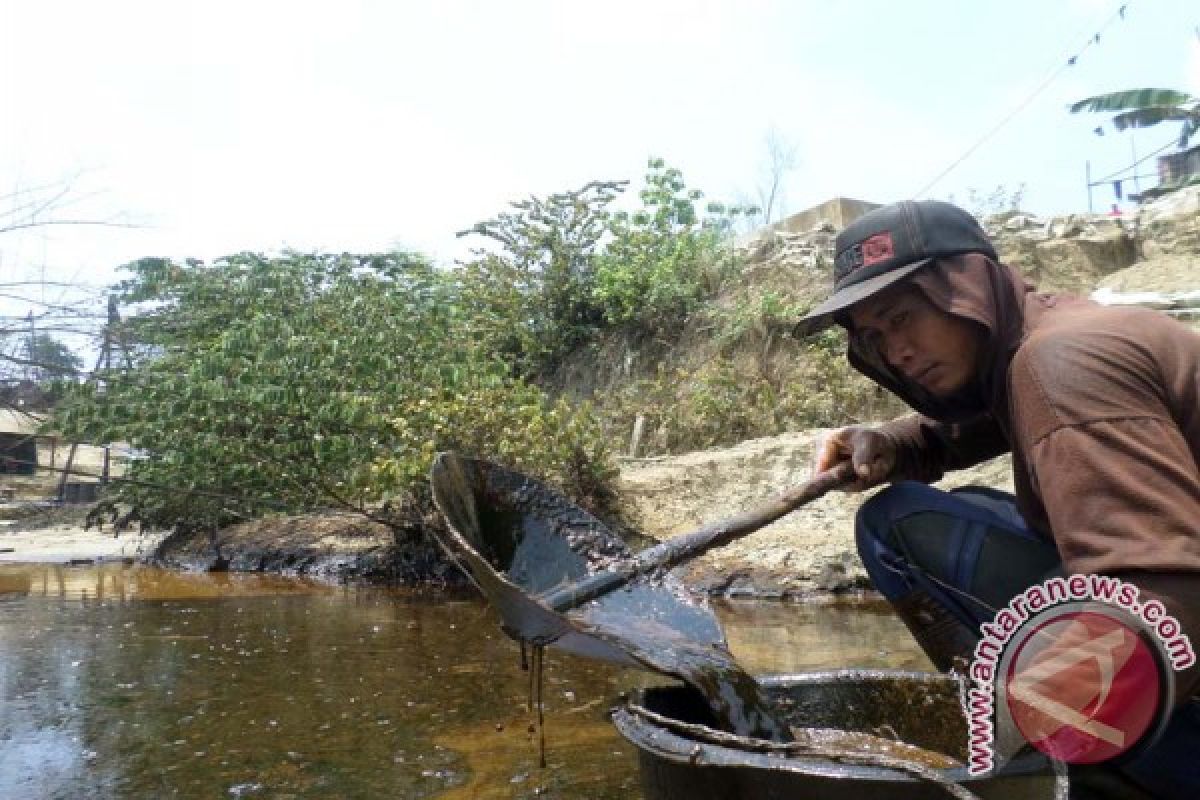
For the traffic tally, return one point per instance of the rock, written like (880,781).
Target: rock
(776,250)
(1019,222)
(1184,202)
(1063,226)
(1171,225)
(1077,264)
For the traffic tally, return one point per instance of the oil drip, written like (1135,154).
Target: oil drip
(539,661)
(535,666)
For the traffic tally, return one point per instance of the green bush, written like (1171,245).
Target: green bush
(530,295)
(666,257)
(563,269)
(309,380)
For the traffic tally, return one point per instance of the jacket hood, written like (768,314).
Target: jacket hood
(975,288)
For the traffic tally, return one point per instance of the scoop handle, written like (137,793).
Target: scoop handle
(687,546)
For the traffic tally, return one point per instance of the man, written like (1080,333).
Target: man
(1100,408)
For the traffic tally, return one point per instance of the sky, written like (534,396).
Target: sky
(200,129)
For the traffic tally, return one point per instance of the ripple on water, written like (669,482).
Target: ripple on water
(130,682)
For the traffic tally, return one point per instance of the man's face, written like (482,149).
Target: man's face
(929,347)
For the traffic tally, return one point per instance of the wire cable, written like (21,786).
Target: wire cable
(1134,165)
(1094,38)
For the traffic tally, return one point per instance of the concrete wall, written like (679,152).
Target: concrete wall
(839,212)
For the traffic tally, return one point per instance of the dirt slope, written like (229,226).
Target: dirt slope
(813,549)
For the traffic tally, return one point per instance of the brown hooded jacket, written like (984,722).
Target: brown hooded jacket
(1100,408)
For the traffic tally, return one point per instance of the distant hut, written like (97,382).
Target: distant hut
(1175,171)
(19,442)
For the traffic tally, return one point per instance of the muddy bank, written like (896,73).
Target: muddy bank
(332,545)
(807,553)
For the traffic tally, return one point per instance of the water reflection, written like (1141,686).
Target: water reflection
(127,682)
(122,682)
(784,637)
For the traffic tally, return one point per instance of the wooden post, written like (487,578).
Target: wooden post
(1088,178)
(635,441)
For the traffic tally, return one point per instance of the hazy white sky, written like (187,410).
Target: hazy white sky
(224,126)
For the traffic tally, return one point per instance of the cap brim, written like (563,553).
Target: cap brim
(822,316)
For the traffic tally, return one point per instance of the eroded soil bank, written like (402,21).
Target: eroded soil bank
(809,552)
(332,545)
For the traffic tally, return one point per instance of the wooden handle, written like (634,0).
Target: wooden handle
(687,546)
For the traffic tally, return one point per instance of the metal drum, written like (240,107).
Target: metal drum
(680,761)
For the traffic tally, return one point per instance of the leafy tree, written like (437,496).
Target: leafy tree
(51,357)
(532,298)
(309,380)
(663,258)
(38,357)
(568,267)
(1143,108)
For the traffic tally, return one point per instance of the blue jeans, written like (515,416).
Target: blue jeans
(971,552)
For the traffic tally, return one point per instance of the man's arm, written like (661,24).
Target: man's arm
(909,448)
(1097,420)
(926,449)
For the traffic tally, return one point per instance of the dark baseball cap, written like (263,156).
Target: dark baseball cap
(889,244)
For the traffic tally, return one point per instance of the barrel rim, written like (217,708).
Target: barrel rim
(655,740)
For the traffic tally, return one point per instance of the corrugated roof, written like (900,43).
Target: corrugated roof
(13,421)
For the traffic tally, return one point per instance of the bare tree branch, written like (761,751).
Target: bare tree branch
(75,222)
(780,160)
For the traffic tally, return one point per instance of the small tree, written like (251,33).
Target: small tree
(663,258)
(780,160)
(532,299)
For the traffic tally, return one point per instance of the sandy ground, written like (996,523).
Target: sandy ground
(66,543)
(811,549)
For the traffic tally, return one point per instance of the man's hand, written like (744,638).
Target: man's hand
(872,454)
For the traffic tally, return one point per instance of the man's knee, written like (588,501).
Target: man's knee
(875,535)
(878,516)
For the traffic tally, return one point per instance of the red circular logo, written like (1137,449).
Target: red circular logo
(1083,687)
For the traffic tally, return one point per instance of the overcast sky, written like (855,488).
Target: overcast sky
(225,126)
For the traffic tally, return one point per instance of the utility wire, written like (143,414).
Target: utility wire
(1107,178)
(1070,62)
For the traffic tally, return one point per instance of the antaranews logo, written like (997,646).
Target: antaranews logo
(1078,667)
